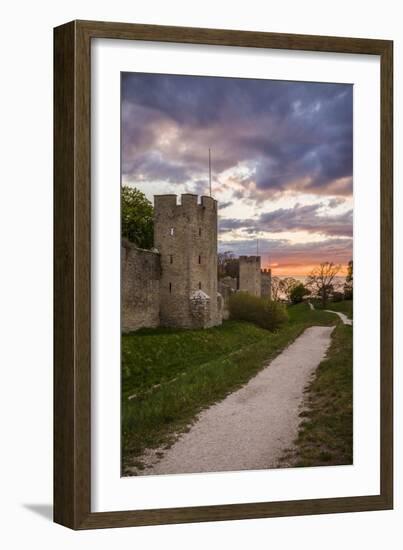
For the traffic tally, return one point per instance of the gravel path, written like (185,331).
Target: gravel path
(342,316)
(251,428)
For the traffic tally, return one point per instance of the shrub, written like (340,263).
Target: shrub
(298,293)
(260,311)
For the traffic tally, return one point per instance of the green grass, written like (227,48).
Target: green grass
(153,357)
(174,374)
(346,306)
(326,434)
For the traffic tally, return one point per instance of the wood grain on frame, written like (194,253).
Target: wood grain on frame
(72,285)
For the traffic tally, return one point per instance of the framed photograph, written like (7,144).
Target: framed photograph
(222,274)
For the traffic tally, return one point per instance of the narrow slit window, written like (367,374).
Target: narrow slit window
(199,259)
(199,231)
(170,288)
(171,259)
(199,286)
(172,231)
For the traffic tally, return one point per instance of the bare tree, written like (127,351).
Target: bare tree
(276,288)
(320,280)
(227,264)
(287,285)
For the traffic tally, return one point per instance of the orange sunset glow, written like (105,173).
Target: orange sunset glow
(291,270)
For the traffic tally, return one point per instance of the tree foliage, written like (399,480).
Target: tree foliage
(321,280)
(137,218)
(348,285)
(298,293)
(282,288)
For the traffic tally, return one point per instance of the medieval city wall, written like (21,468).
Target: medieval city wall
(140,302)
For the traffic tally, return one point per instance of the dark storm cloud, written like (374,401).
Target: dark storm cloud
(153,166)
(292,136)
(334,202)
(299,218)
(222,205)
(307,218)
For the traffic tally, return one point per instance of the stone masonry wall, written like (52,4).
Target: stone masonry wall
(186,237)
(266,283)
(249,275)
(141,271)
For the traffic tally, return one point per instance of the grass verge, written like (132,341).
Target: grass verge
(345,306)
(325,435)
(169,376)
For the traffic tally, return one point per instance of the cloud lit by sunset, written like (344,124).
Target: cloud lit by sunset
(281,160)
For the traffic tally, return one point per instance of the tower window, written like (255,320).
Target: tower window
(170,288)
(171,259)
(199,259)
(172,231)
(199,286)
(199,231)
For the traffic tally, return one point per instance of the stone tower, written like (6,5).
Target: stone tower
(249,275)
(186,237)
(266,283)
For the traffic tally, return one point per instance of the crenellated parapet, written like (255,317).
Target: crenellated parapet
(184,202)
(250,259)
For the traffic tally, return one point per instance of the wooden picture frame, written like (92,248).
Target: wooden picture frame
(72,269)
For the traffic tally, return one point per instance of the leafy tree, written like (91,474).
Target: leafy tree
(321,279)
(287,285)
(137,217)
(348,285)
(298,293)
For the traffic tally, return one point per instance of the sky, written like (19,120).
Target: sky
(281,159)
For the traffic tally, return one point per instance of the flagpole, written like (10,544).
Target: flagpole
(209,169)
